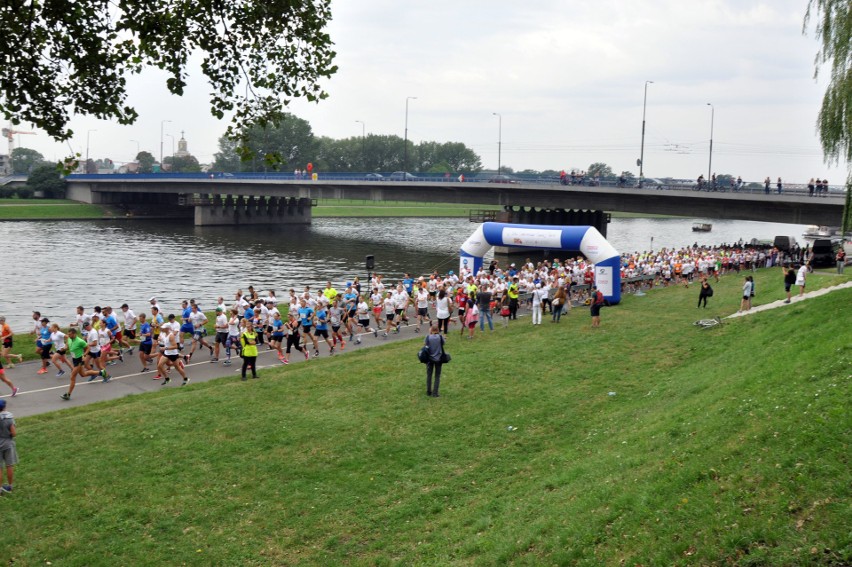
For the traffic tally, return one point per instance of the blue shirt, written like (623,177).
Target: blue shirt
(249,313)
(322,320)
(349,300)
(43,336)
(111,324)
(145,332)
(277,326)
(305,315)
(408,284)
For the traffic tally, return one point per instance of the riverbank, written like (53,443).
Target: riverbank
(58,209)
(646,441)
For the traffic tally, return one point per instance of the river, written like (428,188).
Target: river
(55,266)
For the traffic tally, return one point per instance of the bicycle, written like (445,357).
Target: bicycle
(708,323)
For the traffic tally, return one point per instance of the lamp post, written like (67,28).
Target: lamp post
(499,141)
(88,132)
(405,150)
(642,148)
(712,119)
(363,140)
(161,141)
(137,148)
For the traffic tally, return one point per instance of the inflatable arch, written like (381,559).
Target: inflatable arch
(586,239)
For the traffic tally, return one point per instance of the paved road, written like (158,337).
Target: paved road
(41,393)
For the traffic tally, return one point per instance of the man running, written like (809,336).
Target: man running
(198,319)
(129,332)
(171,357)
(77,347)
(221,329)
(146,342)
(6,340)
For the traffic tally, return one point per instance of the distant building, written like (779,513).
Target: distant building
(182,150)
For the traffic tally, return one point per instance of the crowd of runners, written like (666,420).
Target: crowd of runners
(301,320)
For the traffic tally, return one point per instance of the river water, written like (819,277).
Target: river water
(55,266)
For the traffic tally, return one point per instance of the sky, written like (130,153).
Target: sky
(567,78)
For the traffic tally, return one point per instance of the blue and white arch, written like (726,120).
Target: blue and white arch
(586,239)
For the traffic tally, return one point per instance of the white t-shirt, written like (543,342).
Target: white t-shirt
(198,319)
(234,326)
(363,310)
(221,323)
(170,344)
(58,340)
(93,340)
(422,299)
(442,308)
(129,320)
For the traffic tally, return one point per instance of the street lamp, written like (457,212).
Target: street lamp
(642,149)
(161,141)
(499,141)
(712,119)
(363,140)
(137,147)
(405,151)
(88,132)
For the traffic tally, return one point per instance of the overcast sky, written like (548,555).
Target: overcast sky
(567,76)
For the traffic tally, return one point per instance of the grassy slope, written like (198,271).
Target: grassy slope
(722,446)
(47,209)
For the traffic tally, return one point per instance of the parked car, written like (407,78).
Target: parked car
(823,253)
(502,179)
(402,176)
(374,177)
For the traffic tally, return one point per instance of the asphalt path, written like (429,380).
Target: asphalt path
(40,393)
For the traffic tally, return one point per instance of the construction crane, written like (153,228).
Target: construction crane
(9,134)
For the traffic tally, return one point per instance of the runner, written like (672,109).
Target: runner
(146,342)
(93,354)
(306,318)
(8,382)
(390,313)
(221,328)
(77,347)
(198,319)
(336,314)
(421,302)
(293,337)
(43,344)
(172,356)
(233,336)
(277,335)
(376,302)
(6,335)
(321,319)
(129,332)
(57,337)
(362,311)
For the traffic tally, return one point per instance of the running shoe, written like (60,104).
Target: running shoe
(306,354)
(120,356)
(92,377)
(214,359)
(285,361)
(111,363)
(146,369)
(342,345)
(60,373)
(376,333)
(14,392)
(331,351)
(7,488)
(166,381)
(185,381)
(10,365)
(316,353)
(42,371)
(130,351)
(226,363)
(158,377)
(358,341)
(417,329)
(66,396)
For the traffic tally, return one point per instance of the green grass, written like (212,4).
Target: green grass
(722,446)
(39,209)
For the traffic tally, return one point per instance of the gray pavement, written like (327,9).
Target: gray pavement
(40,393)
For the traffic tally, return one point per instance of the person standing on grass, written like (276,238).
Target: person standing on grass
(597,301)
(471,318)
(705,292)
(745,304)
(483,301)
(513,298)
(560,298)
(248,340)
(841,259)
(6,340)
(435,341)
(801,276)
(8,452)
(443,307)
(789,281)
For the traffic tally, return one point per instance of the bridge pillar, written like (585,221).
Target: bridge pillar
(254,211)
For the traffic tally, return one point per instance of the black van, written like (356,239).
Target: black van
(822,253)
(784,243)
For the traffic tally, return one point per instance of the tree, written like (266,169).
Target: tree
(25,160)
(46,178)
(146,162)
(288,144)
(256,55)
(834,28)
(599,169)
(181,164)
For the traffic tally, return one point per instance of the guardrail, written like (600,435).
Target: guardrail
(834,191)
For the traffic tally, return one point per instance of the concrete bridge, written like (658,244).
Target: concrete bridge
(270,199)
